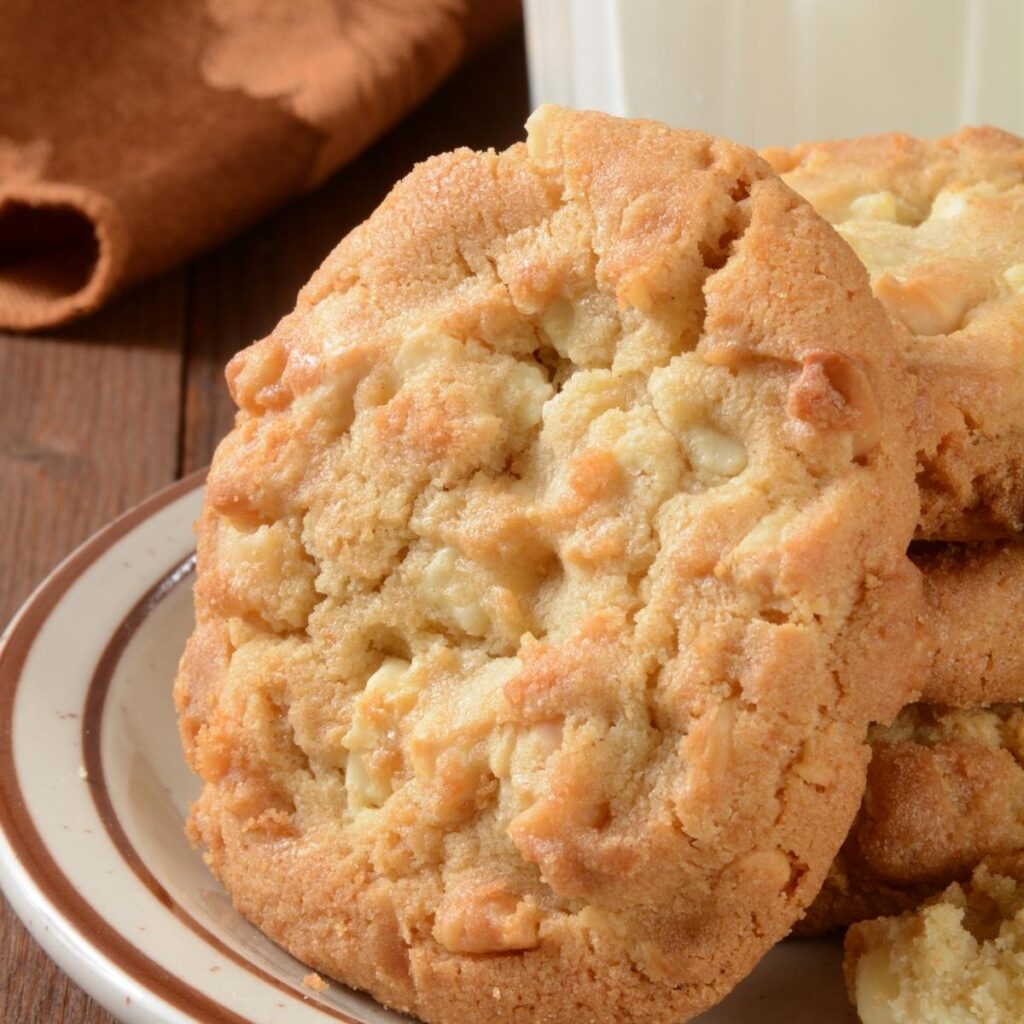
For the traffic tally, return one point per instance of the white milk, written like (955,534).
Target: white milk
(780,71)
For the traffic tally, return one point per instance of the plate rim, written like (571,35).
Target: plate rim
(132,984)
(72,931)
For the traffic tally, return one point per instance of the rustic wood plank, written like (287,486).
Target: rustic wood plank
(88,427)
(241,290)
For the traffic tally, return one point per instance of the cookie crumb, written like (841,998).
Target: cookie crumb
(82,773)
(315,982)
(955,959)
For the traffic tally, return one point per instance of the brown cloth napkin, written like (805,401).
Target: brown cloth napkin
(134,133)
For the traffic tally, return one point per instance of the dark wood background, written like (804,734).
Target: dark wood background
(95,417)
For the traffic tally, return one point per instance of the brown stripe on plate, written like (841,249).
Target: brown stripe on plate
(15,819)
(92,720)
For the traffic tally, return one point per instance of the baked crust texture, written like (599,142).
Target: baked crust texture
(945,790)
(549,579)
(939,226)
(974,599)
(946,782)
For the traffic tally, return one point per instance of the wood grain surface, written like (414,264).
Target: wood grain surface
(95,417)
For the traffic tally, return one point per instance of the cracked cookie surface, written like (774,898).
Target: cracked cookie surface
(938,224)
(549,579)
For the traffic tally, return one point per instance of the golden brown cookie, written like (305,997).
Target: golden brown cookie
(549,579)
(946,781)
(974,616)
(959,959)
(940,226)
(945,790)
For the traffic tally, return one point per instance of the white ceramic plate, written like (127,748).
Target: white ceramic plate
(94,793)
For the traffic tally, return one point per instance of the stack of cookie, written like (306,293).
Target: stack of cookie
(559,564)
(940,227)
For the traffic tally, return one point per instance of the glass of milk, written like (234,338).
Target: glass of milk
(768,72)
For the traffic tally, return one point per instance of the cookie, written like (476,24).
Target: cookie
(959,959)
(974,596)
(946,781)
(549,579)
(938,224)
(945,790)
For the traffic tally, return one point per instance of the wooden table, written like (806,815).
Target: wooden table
(95,417)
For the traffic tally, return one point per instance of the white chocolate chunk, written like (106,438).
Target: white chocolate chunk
(390,693)
(876,988)
(423,347)
(714,452)
(455,593)
(949,204)
(1014,276)
(557,323)
(875,206)
(530,390)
